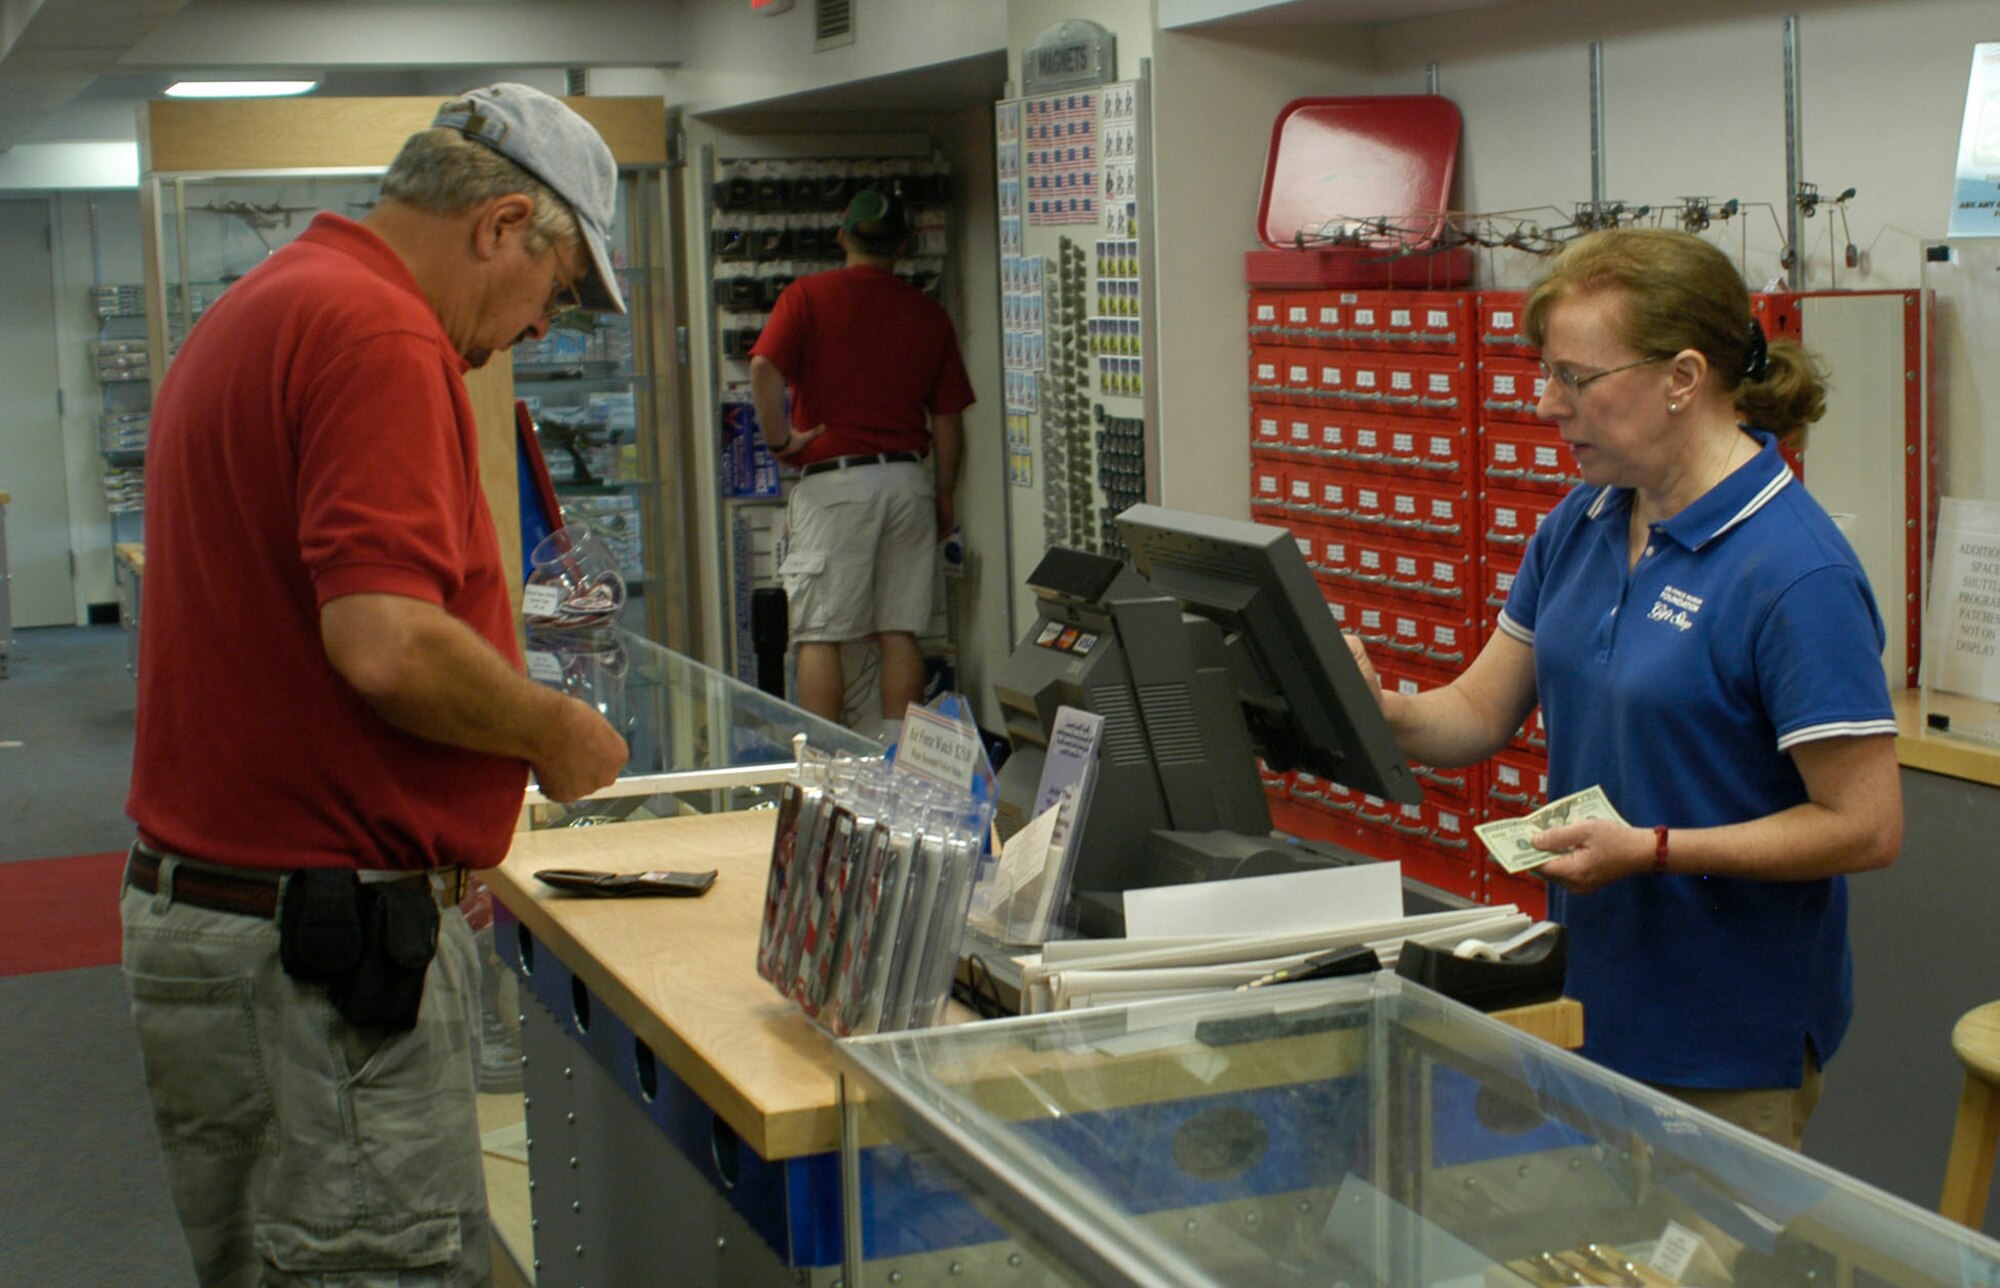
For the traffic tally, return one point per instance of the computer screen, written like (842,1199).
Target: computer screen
(1306,702)
(1212,649)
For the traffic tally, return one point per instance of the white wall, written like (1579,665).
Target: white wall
(734,58)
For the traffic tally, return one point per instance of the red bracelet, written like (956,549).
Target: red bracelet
(1660,850)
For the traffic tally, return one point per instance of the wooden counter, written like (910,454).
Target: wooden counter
(1918,747)
(681,973)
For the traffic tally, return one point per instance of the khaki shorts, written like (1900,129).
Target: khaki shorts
(863,552)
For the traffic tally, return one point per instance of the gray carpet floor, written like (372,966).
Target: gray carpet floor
(82,1190)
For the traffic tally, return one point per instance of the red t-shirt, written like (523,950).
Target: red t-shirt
(868,356)
(313,439)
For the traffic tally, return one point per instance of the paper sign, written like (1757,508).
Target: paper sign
(1963,649)
(1293,901)
(1674,1251)
(540,601)
(1975,196)
(936,747)
(544,667)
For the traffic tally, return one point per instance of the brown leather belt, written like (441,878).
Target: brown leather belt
(253,893)
(849,462)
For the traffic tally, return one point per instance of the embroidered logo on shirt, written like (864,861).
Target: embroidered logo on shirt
(1676,608)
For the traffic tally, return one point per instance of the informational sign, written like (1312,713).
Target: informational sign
(1070,54)
(1975,196)
(1964,626)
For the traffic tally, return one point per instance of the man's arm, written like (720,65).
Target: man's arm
(947,450)
(429,674)
(767,394)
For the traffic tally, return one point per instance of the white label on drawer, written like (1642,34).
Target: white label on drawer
(1338,612)
(1365,438)
(540,601)
(1364,379)
(1406,566)
(1305,546)
(1408,688)
(1504,518)
(1503,582)
(1299,314)
(1302,491)
(1548,456)
(1371,619)
(1541,387)
(1401,380)
(1509,776)
(1400,319)
(1403,444)
(1298,375)
(1267,312)
(1267,371)
(1448,822)
(1329,315)
(1329,377)
(1437,320)
(1440,382)
(1446,636)
(1406,627)
(1333,496)
(543,666)
(1503,385)
(1406,504)
(1267,427)
(1267,485)
(1441,444)
(1444,573)
(1336,552)
(1370,560)
(1540,515)
(1302,433)
(1503,453)
(1330,436)
(1368,499)
(1364,317)
(1442,509)
(1503,319)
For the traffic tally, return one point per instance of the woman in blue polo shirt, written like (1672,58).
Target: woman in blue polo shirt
(1705,647)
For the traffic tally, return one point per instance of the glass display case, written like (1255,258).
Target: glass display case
(591,384)
(1345,1132)
(702,741)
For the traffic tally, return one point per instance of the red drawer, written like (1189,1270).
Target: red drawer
(1496,582)
(1500,322)
(1524,891)
(1267,371)
(1414,509)
(1300,429)
(1270,484)
(1433,449)
(1464,784)
(1267,427)
(1264,313)
(1533,736)
(1403,384)
(1295,320)
(1516,784)
(1512,517)
(1431,636)
(1532,457)
(1297,376)
(1388,566)
(1510,389)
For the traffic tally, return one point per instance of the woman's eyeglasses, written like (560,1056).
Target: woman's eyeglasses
(1573,384)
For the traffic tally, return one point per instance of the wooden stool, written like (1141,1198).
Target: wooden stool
(1968,1173)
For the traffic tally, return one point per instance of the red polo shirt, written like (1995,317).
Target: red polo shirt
(313,439)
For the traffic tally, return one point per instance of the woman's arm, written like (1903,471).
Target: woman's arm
(1852,821)
(1470,718)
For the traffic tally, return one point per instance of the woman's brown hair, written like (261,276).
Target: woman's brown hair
(1680,292)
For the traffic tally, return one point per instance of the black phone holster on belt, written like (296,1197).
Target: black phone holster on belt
(369,943)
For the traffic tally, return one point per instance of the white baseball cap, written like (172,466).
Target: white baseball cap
(544,136)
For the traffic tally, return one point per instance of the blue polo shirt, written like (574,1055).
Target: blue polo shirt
(1746,629)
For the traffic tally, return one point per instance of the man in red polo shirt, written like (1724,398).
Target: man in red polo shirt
(330,693)
(877,385)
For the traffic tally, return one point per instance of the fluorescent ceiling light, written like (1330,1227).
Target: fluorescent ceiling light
(240,88)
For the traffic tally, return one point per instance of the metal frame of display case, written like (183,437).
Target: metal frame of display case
(1368,1131)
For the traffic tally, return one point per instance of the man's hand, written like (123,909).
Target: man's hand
(584,754)
(795,442)
(1359,651)
(1594,853)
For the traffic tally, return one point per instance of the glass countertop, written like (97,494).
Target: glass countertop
(701,740)
(1360,1131)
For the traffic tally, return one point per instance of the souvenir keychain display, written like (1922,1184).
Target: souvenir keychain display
(865,904)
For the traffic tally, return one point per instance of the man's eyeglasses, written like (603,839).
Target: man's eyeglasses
(1573,384)
(562,299)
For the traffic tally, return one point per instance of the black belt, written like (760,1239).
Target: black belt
(253,893)
(849,462)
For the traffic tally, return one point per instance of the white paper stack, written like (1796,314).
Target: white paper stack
(1223,934)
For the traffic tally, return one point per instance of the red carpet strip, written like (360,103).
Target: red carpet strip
(59,914)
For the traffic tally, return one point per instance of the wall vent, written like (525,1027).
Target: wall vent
(833,24)
(576,82)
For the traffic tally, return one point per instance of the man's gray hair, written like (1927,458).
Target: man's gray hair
(442,171)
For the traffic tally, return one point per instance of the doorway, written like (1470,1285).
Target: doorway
(31,439)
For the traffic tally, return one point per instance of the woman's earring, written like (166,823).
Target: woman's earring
(1673,406)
